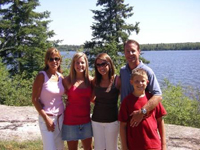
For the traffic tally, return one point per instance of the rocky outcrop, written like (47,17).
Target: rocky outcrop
(20,124)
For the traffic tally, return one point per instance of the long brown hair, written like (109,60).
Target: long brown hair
(72,73)
(51,51)
(98,76)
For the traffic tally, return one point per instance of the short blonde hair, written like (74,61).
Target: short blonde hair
(139,72)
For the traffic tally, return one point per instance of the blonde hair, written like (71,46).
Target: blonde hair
(52,51)
(104,57)
(139,72)
(72,73)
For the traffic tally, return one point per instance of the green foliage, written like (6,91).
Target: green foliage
(16,91)
(181,109)
(21,91)
(66,66)
(171,46)
(23,36)
(4,83)
(110,30)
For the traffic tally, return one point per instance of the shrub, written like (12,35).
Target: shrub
(15,90)
(182,109)
(21,91)
(5,83)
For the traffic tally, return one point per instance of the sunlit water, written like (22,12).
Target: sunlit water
(176,66)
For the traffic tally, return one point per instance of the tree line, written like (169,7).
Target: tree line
(171,46)
(146,47)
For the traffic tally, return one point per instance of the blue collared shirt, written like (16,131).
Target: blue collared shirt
(126,88)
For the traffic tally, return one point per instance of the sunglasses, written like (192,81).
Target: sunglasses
(104,64)
(52,59)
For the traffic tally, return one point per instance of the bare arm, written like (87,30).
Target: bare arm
(118,84)
(93,97)
(123,135)
(67,86)
(161,129)
(137,115)
(93,94)
(152,103)
(36,91)
(65,82)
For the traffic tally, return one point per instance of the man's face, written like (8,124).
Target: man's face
(131,53)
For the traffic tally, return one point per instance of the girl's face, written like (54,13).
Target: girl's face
(139,83)
(102,66)
(80,65)
(54,62)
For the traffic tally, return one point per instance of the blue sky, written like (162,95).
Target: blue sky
(161,21)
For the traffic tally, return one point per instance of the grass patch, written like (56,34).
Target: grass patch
(27,145)
(34,145)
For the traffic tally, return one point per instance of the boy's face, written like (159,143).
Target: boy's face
(139,83)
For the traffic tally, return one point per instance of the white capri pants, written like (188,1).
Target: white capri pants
(52,140)
(105,135)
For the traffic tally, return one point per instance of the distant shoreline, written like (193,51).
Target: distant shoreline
(144,50)
(146,47)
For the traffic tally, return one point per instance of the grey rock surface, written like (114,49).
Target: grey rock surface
(20,124)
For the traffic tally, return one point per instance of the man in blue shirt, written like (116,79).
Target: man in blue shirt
(132,53)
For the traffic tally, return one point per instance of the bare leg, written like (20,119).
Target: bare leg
(87,144)
(72,145)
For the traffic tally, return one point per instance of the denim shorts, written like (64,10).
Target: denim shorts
(76,132)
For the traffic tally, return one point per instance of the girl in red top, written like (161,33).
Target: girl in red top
(77,122)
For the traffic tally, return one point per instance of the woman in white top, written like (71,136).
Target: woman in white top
(47,98)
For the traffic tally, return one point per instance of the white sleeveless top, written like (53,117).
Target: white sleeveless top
(51,95)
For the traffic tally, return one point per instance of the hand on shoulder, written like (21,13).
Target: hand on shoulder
(91,78)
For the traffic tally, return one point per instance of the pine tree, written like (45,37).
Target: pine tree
(23,35)
(110,30)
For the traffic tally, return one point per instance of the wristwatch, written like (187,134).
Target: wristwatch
(144,111)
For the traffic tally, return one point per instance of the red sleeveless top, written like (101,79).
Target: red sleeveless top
(77,110)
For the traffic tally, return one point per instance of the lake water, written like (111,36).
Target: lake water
(176,66)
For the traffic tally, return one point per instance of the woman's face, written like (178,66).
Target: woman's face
(102,66)
(54,62)
(80,65)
